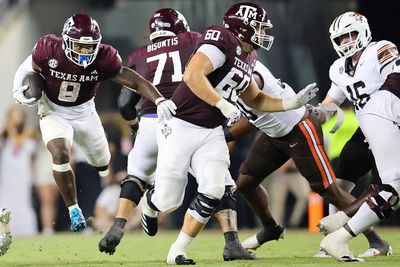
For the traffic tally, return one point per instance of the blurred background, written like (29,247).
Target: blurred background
(302,52)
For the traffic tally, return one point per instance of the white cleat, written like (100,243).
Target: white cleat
(5,233)
(178,257)
(331,223)
(251,243)
(321,254)
(373,252)
(336,244)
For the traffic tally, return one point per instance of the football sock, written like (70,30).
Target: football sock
(364,218)
(73,206)
(230,236)
(183,241)
(119,222)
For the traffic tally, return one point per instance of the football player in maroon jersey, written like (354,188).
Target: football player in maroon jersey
(162,62)
(217,74)
(73,66)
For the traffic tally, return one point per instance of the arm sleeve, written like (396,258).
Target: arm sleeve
(22,71)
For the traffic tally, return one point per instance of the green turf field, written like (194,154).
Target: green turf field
(137,249)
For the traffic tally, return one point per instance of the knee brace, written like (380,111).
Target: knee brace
(132,188)
(202,207)
(384,199)
(228,201)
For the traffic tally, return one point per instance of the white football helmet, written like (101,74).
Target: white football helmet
(346,24)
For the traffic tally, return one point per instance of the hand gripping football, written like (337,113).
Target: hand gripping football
(36,85)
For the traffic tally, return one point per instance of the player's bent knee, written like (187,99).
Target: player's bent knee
(215,191)
(202,207)
(62,155)
(62,167)
(100,161)
(246,184)
(132,188)
(167,203)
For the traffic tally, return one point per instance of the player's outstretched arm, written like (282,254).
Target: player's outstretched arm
(135,82)
(257,99)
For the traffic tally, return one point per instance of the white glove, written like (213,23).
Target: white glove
(20,98)
(321,114)
(302,97)
(229,110)
(324,111)
(165,109)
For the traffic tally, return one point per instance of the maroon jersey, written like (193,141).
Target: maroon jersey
(162,63)
(68,84)
(229,80)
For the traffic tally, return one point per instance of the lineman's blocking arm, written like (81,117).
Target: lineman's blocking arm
(257,99)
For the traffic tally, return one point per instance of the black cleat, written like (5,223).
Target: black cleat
(254,242)
(182,260)
(149,225)
(275,233)
(111,240)
(234,251)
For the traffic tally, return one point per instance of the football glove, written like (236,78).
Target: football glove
(324,111)
(230,111)
(301,98)
(166,109)
(20,98)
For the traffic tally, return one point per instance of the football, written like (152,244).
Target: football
(36,85)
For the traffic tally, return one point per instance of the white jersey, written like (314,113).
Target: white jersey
(377,61)
(274,124)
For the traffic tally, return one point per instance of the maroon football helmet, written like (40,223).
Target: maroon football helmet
(249,22)
(167,22)
(81,29)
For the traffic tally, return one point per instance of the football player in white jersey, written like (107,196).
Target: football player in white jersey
(367,73)
(283,135)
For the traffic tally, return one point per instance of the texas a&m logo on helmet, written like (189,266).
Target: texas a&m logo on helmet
(249,22)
